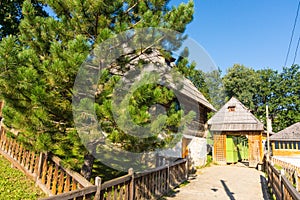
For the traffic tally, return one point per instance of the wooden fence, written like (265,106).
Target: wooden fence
(45,170)
(282,188)
(61,183)
(292,172)
(150,184)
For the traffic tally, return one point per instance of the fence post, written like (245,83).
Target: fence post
(156,160)
(281,184)
(187,169)
(168,178)
(40,166)
(131,185)
(296,180)
(98,184)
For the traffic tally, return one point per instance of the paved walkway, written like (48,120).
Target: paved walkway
(224,182)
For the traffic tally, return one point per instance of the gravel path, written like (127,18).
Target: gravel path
(224,182)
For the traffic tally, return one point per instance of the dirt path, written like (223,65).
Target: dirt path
(224,182)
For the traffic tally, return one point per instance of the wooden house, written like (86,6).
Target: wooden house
(193,143)
(237,135)
(287,141)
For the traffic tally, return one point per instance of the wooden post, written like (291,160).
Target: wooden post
(156,159)
(131,186)
(98,184)
(187,169)
(268,132)
(281,183)
(168,178)
(297,182)
(40,166)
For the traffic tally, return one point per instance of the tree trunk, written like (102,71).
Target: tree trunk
(87,167)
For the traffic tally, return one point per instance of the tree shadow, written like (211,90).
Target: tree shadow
(264,187)
(227,190)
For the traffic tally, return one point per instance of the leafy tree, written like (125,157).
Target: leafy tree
(215,86)
(38,68)
(258,88)
(241,82)
(287,110)
(266,93)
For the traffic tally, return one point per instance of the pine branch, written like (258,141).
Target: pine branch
(129,9)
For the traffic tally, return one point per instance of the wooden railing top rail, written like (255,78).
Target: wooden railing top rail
(81,180)
(275,170)
(116,181)
(143,173)
(73,194)
(292,191)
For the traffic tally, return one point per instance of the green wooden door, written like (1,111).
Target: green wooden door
(231,149)
(236,149)
(243,150)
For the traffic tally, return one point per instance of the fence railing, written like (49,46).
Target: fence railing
(291,172)
(151,184)
(61,183)
(45,169)
(282,188)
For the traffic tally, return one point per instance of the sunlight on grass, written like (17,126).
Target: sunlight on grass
(15,185)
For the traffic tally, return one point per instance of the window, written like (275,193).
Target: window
(231,108)
(294,145)
(276,145)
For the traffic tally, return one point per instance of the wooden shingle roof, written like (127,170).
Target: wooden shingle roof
(234,116)
(291,133)
(187,88)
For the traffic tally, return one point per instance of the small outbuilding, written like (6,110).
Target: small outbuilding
(237,135)
(287,141)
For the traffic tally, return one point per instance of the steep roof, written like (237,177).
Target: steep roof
(291,133)
(234,116)
(187,88)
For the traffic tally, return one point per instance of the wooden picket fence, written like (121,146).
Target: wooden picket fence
(151,184)
(281,187)
(45,169)
(62,183)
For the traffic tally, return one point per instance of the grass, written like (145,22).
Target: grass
(278,167)
(209,162)
(15,185)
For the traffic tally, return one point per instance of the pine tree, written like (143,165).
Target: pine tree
(38,68)
(11,15)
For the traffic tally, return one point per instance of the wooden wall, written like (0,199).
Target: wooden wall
(219,153)
(197,126)
(285,148)
(254,142)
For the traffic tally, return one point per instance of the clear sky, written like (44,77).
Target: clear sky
(255,33)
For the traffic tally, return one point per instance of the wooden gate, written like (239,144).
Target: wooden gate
(255,149)
(219,153)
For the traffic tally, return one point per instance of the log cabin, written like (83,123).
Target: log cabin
(193,143)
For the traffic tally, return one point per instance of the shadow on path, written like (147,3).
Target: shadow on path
(228,192)
(264,187)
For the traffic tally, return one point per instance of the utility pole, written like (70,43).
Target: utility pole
(268,132)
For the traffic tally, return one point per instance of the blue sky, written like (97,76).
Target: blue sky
(255,33)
